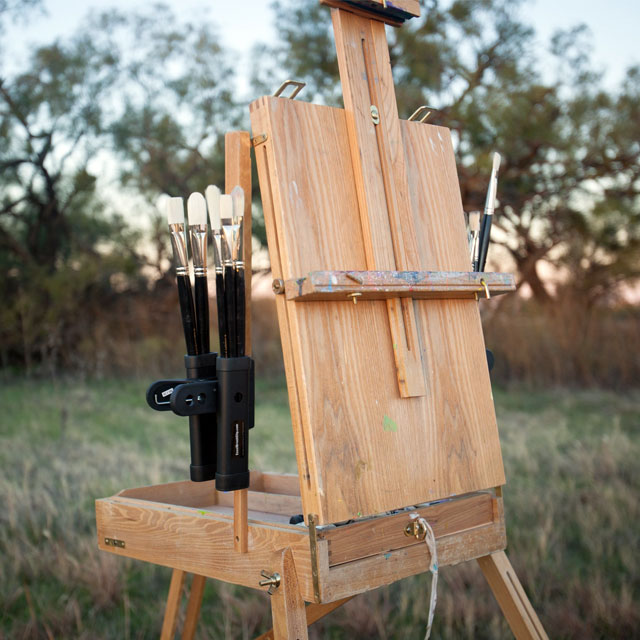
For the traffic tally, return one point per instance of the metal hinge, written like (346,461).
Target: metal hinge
(114,542)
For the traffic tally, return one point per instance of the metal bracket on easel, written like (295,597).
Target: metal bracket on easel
(299,86)
(422,114)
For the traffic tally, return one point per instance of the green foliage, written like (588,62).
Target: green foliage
(569,180)
(142,97)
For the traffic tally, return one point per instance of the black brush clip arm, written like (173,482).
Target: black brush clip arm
(218,398)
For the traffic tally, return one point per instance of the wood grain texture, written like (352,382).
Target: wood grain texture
(237,145)
(199,541)
(172,609)
(365,449)
(378,285)
(314,612)
(375,571)
(193,607)
(373,537)
(287,607)
(380,177)
(511,597)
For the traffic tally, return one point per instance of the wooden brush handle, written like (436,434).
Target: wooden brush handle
(188,314)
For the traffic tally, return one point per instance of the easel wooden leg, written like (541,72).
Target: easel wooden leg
(314,612)
(511,597)
(193,608)
(173,605)
(287,606)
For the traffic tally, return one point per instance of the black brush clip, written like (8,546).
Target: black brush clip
(218,398)
(236,392)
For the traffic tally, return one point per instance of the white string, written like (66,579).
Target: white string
(430,539)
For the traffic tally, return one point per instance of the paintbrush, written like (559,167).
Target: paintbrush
(474,229)
(212,194)
(237,198)
(197,214)
(228,237)
(489,208)
(175,216)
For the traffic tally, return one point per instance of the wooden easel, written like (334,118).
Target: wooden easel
(390,397)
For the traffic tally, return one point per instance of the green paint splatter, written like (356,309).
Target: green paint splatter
(395,345)
(359,514)
(388,424)
(202,513)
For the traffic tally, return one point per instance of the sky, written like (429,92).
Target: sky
(614,25)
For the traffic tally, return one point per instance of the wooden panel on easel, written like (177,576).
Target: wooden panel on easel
(366,449)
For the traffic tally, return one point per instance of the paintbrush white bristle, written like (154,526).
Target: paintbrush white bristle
(237,197)
(175,211)
(197,209)
(212,194)
(226,207)
(496,162)
(474,221)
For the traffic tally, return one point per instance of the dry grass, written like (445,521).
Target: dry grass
(571,504)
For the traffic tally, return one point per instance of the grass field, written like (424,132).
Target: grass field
(572,508)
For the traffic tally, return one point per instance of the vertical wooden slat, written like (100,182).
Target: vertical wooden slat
(237,150)
(377,154)
(287,606)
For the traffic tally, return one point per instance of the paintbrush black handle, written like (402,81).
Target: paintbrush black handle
(222,316)
(188,314)
(230,307)
(240,311)
(202,313)
(485,233)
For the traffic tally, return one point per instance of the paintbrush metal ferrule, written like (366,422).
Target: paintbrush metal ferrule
(217,250)
(198,233)
(179,246)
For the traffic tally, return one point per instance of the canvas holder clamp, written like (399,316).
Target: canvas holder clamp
(218,397)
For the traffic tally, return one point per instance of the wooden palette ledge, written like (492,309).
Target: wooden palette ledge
(378,285)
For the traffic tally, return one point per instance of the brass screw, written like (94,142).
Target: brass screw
(415,529)
(270,580)
(354,296)
(278,286)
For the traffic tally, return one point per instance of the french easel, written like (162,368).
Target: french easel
(386,370)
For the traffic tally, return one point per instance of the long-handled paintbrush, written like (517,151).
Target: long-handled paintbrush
(228,236)
(474,229)
(489,208)
(197,214)
(237,197)
(175,216)
(212,195)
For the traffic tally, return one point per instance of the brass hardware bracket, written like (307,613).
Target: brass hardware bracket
(415,529)
(271,580)
(375,114)
(313,545)
(278,286)
(299,86)
(114,542)
(259,139)
(422,114)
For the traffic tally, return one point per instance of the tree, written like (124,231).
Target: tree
(94,105)
(568,190)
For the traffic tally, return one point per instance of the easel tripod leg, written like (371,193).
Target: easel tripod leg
(173,605)
(193,607)
(287,605)
(511,597)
